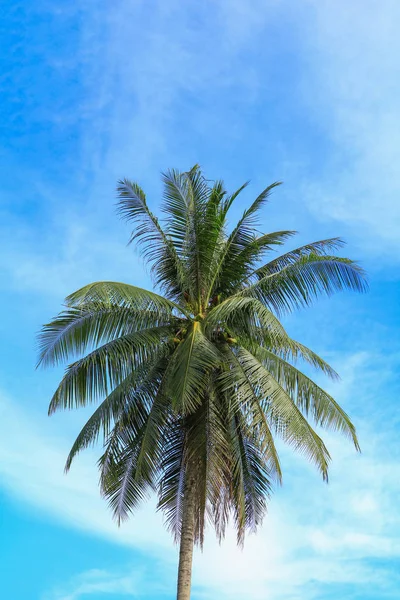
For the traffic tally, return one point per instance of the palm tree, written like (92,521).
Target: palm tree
(197,383)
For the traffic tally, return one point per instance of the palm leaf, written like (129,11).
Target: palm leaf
(76,330)
(283,414)
(236,384)
(123,294)
(308,396)
(191,365)
(298,284)
(126,405)
(241,235)
(156,247)
(130,465)
(100,371)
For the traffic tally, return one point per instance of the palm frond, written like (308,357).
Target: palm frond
(120,483)
(319,248)
(284,347)
(251,484)
(283,414)
(130,465)
(243,314)
(191,364)
(241,235)
(232,197)
(172,482)
(312,400)
(240,265)
(76,330)
(123,294)
(301,282)
(155,245)
(244,396)
(98,373)
(126,405)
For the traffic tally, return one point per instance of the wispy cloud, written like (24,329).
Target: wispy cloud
(352,87)
(97,582)
(314,536)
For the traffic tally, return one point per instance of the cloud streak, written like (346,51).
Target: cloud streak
(315,536)
(352,86)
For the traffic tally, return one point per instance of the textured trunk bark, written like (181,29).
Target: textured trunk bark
(187,541)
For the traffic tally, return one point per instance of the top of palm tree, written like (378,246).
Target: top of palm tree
(201,378)
(194,259)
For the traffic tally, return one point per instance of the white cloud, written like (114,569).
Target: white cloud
(68,257)
(97,582)
(32,456)
(141,113)
(352,87)
(314,535)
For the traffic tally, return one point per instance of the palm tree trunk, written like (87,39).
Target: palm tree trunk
(187,540)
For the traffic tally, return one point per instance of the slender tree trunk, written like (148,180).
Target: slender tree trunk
(187,540)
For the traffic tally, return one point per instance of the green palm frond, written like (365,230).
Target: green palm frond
(256,337)
(127,403)
(300,283)
(320,248)
(95,375)
(250,478)
(240,266)
(191,364)
(243,315)
(156,247)
(232,197)
(130,464)
(241,236)
(237,385)
(123,294)
(172,481)
(121,484)
(283,415)
(76,330)
(312,400)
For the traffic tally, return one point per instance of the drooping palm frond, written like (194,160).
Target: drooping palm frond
(254,337)
(121,483)
(130,464)
(311,399)
(76,330)
(236,383)
(95,375)
(251,485)
(128,401)
(320,248)
(172,480)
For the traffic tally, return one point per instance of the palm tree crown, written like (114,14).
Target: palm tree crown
(196,383)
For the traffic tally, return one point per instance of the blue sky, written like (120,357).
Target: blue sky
(302,92)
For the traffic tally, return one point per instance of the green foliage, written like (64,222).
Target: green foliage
(201,379)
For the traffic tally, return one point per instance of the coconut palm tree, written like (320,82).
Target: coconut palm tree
(196,382)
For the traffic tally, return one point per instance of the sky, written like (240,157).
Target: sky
(303,92)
